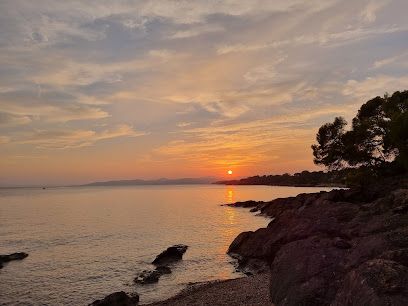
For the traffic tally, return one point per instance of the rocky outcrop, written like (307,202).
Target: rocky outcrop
(14,256)
(172,254)
(117,299)
(168,256)
(344,247)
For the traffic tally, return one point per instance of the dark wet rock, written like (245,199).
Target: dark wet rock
(118,299)
(250,266)
(344,247)
(163,270)
(244,204)
(148,277)
(151,276)
(14,256)
(173,253)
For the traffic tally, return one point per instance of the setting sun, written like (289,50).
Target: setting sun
(229,172)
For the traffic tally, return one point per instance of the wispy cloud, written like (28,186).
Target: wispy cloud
(375,86)
(66,139)
(369,13)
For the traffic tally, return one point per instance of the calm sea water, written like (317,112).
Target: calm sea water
(85,243)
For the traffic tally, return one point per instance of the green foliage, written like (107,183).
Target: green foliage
(379,135)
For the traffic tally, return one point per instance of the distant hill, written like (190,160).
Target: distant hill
(301,179)
(162,181)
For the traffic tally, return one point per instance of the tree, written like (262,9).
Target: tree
(379,135)
(365,142)
(396,140)
(330,148)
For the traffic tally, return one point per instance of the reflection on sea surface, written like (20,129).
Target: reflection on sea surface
(93,241)
(230,194)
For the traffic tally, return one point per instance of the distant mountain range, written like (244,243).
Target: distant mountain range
(161,181)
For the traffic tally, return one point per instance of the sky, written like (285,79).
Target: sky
(100,90)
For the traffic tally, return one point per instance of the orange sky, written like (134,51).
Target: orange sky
(148,89)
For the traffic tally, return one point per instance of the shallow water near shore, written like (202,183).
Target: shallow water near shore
(87,242)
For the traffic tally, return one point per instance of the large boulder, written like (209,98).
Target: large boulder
(14,256)
(172,254)
(117,299)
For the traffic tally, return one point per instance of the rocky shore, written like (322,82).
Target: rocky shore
(343,247)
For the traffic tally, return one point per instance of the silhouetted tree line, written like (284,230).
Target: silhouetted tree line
(304,178)
(376,144)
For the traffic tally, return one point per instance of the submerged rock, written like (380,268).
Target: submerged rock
(117,299)
(151,276)
(148,277)
(173,253)
(244,204)
(14,256)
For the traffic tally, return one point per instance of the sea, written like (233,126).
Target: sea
(87,242)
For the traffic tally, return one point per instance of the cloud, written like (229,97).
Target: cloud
(196,31)
(375,86)
(71,73)
(264,72)
(369,13)
(50,22)
(231,48)
(401,59)
(4,139)
(66,139)
(10,120)
(246,144)
(183,124)
(50,112)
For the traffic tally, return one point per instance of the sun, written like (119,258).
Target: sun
(229,172)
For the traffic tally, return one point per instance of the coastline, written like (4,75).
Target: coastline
(343,247)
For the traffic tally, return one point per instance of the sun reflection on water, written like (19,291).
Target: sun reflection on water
(230,194)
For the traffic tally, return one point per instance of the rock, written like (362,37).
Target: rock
(163,270)
(117,299)
(304,272)
(245,204)
(173,253)
(341,243)
(14,256)
(343,247)
(151,276)
(376,283)
(148,277)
